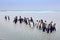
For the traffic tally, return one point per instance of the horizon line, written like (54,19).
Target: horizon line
(28,10)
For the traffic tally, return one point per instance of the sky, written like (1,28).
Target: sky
(30,4)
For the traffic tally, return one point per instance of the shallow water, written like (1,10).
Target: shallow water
(11,31)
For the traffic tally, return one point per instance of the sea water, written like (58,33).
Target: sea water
(11,31)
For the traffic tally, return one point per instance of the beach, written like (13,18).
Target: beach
(11,31)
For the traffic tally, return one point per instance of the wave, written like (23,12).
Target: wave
(32,11)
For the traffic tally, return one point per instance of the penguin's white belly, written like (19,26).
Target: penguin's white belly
(31,24)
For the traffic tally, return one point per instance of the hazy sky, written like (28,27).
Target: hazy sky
(30,4)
